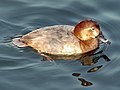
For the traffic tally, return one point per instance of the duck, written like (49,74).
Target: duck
(63,41)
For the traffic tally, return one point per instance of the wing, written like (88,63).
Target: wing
(57,39)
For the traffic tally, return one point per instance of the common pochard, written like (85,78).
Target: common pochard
(63,40)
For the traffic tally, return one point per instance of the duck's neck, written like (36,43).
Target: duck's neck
(89,45)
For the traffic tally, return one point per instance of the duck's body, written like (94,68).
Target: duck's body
(57,40)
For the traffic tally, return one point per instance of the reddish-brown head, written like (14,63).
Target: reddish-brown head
(86,30)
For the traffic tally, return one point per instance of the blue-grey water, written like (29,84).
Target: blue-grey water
(22,68)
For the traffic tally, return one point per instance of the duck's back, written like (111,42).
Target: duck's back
(57,39)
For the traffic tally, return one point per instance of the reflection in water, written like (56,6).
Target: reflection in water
(76,74)
(90,59)
(87,59)
(94,69)
(84,82)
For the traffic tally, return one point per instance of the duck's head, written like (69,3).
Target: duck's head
(86,30)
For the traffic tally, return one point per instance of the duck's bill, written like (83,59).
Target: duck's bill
(104,40)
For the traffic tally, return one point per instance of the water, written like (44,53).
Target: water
(22,68)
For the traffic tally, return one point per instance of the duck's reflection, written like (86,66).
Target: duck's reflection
(84,82)
(88,60)
(94,69)
(92,58)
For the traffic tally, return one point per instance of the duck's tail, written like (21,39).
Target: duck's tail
(17,42)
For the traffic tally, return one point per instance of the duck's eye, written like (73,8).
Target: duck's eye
(93,29)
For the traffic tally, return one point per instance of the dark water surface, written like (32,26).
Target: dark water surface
(22,68)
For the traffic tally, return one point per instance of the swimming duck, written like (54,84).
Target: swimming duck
(60,41)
